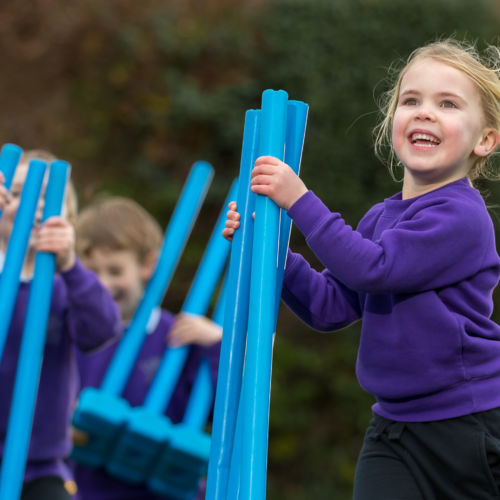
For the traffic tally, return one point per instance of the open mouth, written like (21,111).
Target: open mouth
(426,140)
(118,295)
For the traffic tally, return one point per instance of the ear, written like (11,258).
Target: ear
(148,266)
(488,142)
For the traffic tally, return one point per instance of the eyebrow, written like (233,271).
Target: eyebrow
(442,94)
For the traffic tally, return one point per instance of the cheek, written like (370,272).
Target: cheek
(398,133)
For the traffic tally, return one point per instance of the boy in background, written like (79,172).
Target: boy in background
(120,241)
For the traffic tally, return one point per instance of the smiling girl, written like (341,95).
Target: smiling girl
(419,270)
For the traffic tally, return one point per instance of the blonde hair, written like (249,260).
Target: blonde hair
(71,199)
(117,223)
(483,70)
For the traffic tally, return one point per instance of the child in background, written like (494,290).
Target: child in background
(120,241)
(420,271)
(82,313)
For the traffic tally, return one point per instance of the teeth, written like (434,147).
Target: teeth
(424,137)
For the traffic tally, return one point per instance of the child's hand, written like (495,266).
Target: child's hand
(79,437)
(57,235)
(275,179)
(4,193)
(232,222)
(193,329)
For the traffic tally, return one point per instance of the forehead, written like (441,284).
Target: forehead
(429,74)
(107,256)
(21,173)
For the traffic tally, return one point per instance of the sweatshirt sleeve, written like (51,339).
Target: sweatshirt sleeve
(92,315)
(316,297)
(440,241)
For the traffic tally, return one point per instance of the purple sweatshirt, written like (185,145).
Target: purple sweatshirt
(96,484)
(420,273)
(82,314)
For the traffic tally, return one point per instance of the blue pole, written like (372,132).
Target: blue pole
(235,321)
(9,158)
(18,245)
(196,302)
(200,399)
(295,132)
(176,235)
(31,353)
(261,323)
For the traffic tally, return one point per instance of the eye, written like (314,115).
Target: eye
(115,271)
(448,104)
(410,101)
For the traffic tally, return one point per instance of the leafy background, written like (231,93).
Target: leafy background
(132,93)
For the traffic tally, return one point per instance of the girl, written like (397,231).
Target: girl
(419,270)
(82,313)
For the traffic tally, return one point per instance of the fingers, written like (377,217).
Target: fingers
(57,236)
(193,329)
(267,160)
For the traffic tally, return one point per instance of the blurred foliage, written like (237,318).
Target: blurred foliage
(132,93)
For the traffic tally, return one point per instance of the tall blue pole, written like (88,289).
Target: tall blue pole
(295,133)
(178,230)
(9,158)
(18,245)
(197,302)
(235,321)
(31,352)
(262,321)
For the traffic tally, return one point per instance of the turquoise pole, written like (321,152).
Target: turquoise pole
(196,302)
(18,245)
(295,133)
(235,321)
(31,353)
(178,230)
(9,158)
(262,321)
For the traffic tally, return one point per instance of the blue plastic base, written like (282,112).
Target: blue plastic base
(174,492)
(100,416)
(139,445)
(183,462)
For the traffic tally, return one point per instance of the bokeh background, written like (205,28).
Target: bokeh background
(132,93)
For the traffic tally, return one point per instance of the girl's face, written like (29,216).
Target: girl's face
(438,126)
(122,274)
(10,210)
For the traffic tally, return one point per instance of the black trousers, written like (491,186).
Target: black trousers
(45,488)
(454,459)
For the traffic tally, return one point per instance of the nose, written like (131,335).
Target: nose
(425,112)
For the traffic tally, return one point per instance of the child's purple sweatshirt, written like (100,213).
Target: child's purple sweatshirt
(82,313)
(420,273)
(96,484)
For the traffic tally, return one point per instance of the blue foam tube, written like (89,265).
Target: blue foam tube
(147,429)
(9,158)
(18,245)
(295,132)
(184,459)
(100,412)
(235,321)
(178,230)
(196,302)
(31,352)
(262,321)
(200,399)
